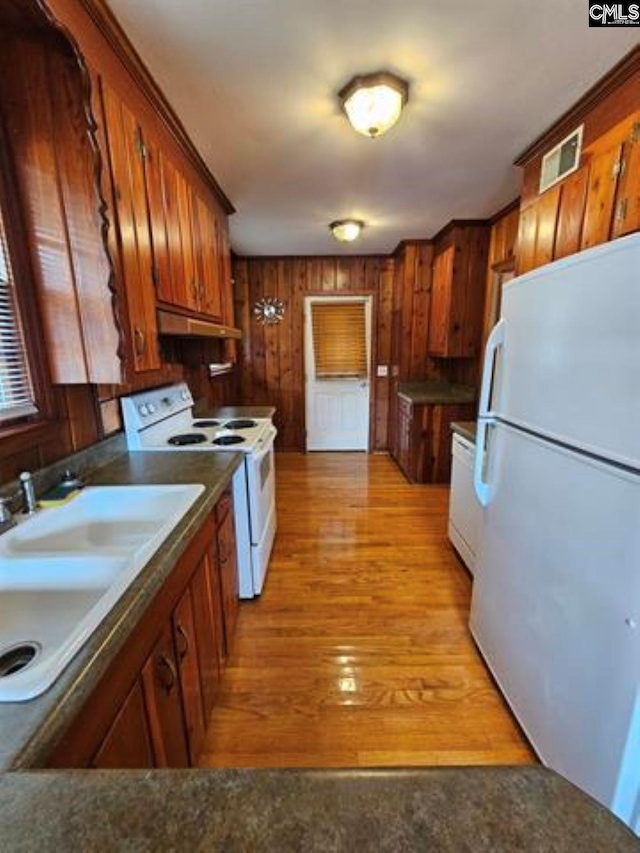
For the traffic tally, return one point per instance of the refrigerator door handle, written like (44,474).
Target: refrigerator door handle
(482,488)
(494,342)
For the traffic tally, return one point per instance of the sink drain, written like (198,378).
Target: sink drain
(17,658)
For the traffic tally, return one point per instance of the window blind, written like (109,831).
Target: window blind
(339,339)
(16,390)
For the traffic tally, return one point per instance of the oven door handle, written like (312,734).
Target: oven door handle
(266,444)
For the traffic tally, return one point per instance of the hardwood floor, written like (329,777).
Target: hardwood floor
(358,651)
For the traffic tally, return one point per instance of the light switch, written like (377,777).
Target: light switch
(382,370)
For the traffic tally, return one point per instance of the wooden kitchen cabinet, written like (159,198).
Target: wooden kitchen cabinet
(605,159)
(228,563)
(128,741)
(457,296)
(186,649)
(424,439)
(126,158)
(162,691)
(209,627)
(161,687)
(626,216)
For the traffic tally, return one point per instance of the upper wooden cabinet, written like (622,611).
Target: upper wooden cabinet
(598,202)
(457,297)
(126,159)
(55,159)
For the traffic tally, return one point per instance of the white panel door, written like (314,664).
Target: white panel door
(337,410)
(568,348)
(556,608)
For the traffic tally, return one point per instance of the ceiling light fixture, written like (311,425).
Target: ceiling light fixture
(373,102)
(346,230)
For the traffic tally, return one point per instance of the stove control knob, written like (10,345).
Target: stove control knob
(167,401)
(144,410)
(151,408)
(185,395)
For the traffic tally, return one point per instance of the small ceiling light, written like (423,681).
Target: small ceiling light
(346,230)
(373,102)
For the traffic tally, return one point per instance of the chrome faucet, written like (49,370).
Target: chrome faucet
(28,493)
(7,520)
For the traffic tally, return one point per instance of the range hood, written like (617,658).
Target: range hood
(181,326)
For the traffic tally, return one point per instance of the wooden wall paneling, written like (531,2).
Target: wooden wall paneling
(24,86)
(258,348)
(383,352)
(81,415)
(243,312)
(547,216)
(304,276)
(283,290)
(573,194)
(527,239)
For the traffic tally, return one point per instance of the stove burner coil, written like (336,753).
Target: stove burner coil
(206,423)
(187,438)
(228,439)
(241,423)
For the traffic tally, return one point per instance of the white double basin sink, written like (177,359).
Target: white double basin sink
(63,570)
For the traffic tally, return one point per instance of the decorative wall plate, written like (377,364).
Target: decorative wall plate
(269,310)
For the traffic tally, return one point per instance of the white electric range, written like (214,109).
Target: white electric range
(162,419)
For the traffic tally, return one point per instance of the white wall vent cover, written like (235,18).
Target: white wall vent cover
(561,160)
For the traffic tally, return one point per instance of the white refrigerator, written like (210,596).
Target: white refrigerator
(556,597)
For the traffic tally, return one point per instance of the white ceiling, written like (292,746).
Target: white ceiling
(254,83)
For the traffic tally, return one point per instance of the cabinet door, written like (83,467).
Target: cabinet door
(527,229)
(604,167)
(209,631)
(207,260)
(184,637)
(441,301)
(228,565)
(127,744)
(154,175)
(164,704)
(224,275)
(127,173)
(627,208)
(188,293)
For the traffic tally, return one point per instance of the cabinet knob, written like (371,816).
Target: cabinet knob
(182,642)
(140,342)
(166,673)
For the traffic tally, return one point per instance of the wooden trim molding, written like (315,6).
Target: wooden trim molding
(504,211)
(575,115)
(109,27)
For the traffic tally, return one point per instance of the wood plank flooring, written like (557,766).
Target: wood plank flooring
(358,652)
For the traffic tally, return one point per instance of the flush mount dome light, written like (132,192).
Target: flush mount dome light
(373,102)
(346,230)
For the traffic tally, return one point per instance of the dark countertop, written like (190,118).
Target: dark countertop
(239,412)
(29,729)
(445,810)
(442,393)
(467,429)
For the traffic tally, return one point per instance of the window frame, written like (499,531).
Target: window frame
(19,251)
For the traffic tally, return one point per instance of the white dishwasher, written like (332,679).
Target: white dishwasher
(465,513)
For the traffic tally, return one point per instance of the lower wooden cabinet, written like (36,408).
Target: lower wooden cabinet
(424,439)
(228,578)
(128,741)
(152,706)
(165,704)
